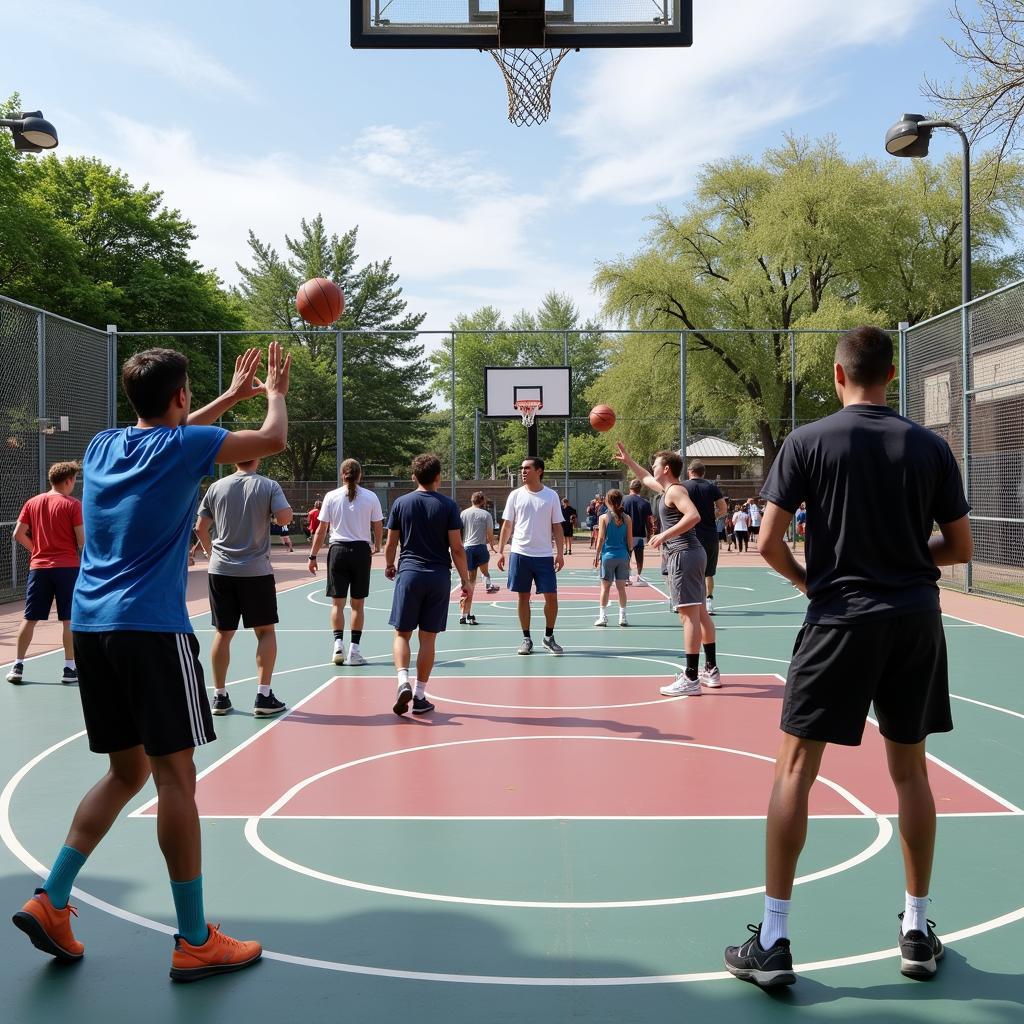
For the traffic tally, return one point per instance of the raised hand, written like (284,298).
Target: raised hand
(244,383)
(278,370)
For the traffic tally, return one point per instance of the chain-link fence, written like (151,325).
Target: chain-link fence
(964,374)
(55,380)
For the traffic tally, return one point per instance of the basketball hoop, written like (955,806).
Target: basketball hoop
(528,408)
(528,77)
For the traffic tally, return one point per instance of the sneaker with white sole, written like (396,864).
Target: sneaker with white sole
(267,706)
(221,703)
(767,968)
(552,645)
(623,621)
(920,953)
(682,686)
(339,652)
(526,647)
(403,699)
(17,672)
(354,657)
(69,675)
(711,677)
(601,620)
(421,706)
(491,588)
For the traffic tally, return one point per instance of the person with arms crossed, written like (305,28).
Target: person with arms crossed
(614,542)
(684,565)
(239,509)
(708,500)
(478,539)
(639,510)
(872,631)
(428,527)
(532,520)
(353,518)
(140,677)
(50,529)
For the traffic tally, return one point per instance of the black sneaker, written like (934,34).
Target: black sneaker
(221,702)
(420,706)
(463,621)
(767,968)
(919,953)
(17,672)
(402,700)
(267,706)
(471,619)
(69,675)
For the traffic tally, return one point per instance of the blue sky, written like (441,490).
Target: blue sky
(255,114)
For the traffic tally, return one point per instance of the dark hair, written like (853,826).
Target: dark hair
(538,463)
(61,471)
(351,474)
(152,378)
(865,354)
(614,501)
(672,460)
(426,469)
(635,485)
(478,498)
(697,468)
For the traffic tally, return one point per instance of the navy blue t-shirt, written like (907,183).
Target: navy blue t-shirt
(704,493)
(639,510)
(874,484)
(423,519)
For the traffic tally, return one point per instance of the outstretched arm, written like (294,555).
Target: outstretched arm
(643,475)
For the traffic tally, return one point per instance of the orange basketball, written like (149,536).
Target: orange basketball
(602,417)
(319,302)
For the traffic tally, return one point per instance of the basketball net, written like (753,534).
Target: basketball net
(528,77)
(528,408)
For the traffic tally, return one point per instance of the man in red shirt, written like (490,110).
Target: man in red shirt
(313,519)
(50,529)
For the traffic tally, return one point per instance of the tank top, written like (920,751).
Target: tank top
(614,539)
(669,515)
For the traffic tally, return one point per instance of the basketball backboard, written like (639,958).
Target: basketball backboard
(504,386)
(493,24)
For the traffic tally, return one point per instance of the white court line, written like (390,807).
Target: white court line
(985,625)
(991,707)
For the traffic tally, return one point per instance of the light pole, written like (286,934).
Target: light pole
(910,137)
(32,133)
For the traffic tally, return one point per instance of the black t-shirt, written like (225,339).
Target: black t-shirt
(423,520)
(703,493)
(568,512)
(639,510)
(874,484)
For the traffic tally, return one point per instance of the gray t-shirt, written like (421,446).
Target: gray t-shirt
(475,524)
(240,506)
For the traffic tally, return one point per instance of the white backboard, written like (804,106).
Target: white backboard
(503,385)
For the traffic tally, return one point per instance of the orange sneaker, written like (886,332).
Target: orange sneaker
(49,928)
(217,955)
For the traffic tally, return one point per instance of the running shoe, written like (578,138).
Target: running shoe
(711,677)
(601,620)
(339,652)
(221,702)
(491,588)
(553,645)
(217,955)
(623,621)
(402,700)
(267,706)
(355,657)
(682,686)
(711,607)
(17,672)
(48,928)
(69,675)
(767,968)
(463,621)
(526,647)
(920,953)
(471,619)
(420,706)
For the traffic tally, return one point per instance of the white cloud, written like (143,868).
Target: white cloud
(646,120)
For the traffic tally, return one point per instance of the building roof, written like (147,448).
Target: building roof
(719,448)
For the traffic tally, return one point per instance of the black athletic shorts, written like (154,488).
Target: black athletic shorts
(143,688)
(348,567)
(711,550)
(251,598)
(837,671)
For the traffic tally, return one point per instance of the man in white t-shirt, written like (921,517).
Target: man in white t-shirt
(532,520)
(741,527)
(755,519)
(353,517)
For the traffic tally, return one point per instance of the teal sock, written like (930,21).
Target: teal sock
(62,876)
(188,905)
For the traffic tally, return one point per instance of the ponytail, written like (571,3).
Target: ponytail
(351,474)
(614,501)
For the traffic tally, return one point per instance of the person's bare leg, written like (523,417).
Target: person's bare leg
(796,767)
(220,657)
(425,655)
(605,591)
(358,612)
(707,626)
(400,650)
(99,808)
(266,653)
(550,610)
(177,818)
(690,617)
(466,603)
(620,586)
(639,553)
(25,633)
(338,614)
(709,582)
(66,639)
(909,771)
(523,607)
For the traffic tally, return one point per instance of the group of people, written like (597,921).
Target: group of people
(872,635)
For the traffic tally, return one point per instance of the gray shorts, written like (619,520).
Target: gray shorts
(685,571)
(613,569)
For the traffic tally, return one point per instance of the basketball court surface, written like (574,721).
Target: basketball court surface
(556,841)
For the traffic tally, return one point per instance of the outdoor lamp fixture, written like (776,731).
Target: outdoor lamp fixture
(910,136)
(32,133)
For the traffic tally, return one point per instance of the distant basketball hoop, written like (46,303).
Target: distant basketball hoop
(528,409)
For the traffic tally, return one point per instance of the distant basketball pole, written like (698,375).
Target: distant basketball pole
(565,436)
(682,393)
(339,409)
(453,414)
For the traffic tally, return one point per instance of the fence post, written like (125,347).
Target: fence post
(220,386)
(565,435)
(792,381)
(476,443)
(965,339)
(904,329)
(454,449)
(14,564)
(682,394)
(112,375)
(41,371)
(339,407)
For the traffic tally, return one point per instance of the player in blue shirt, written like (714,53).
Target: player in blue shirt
(140,678)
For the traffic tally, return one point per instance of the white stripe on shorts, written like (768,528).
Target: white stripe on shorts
(188,675)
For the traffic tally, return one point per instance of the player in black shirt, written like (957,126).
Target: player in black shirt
(710,504)
(874,484)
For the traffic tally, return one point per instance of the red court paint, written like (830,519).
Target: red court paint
(352,719)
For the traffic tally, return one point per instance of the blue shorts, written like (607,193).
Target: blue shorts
(421,601)
(477,555)
(45,585)
(525,570)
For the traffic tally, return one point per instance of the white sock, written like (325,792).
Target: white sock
(403,677)
(264,691)
(420,689)
(602,611)
(915,914)
(69,664)
(775,924)
(487,579)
